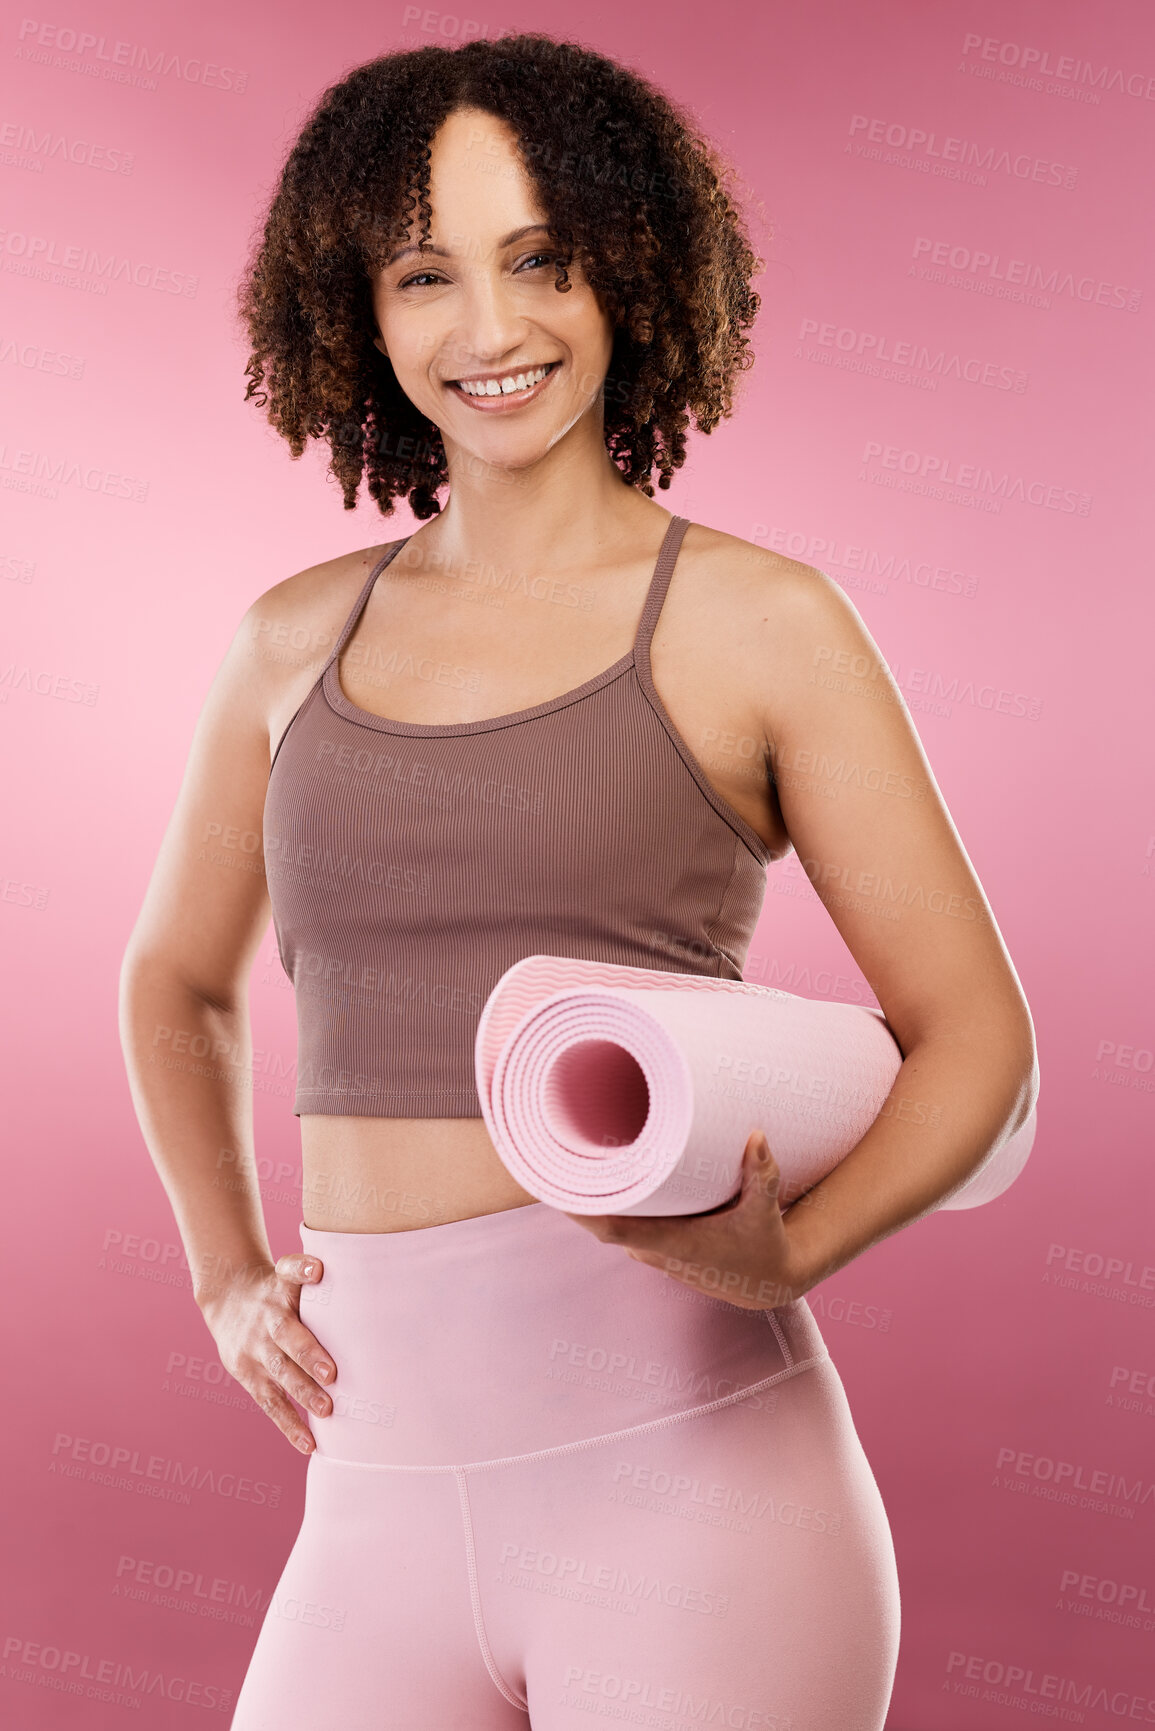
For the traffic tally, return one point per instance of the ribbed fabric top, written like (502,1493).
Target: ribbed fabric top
(410,864)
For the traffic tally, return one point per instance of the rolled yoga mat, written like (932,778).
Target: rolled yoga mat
(617,1090)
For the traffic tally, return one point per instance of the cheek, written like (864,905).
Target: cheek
(410,333)
(583,326)
(410,354)
(412,346)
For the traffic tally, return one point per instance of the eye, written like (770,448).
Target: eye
(534,260)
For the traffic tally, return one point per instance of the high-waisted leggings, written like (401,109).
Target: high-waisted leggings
(559,1483)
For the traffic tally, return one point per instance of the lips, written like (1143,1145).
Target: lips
(526,382)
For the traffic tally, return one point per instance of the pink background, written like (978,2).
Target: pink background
(989,1357)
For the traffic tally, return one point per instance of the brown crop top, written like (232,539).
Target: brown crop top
(410,864)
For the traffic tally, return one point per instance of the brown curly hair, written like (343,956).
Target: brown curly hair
(627,183)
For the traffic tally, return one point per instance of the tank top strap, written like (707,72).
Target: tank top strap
(359,605)
(659,583)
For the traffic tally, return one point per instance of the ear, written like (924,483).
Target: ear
(378,344)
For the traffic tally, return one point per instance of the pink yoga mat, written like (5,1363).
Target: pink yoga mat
(618,1090)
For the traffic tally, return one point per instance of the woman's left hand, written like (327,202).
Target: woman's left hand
(741,1252)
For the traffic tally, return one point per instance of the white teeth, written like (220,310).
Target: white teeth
(503,387)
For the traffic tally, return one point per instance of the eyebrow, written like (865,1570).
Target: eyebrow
(514,234)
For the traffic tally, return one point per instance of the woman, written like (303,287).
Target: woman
(558,1464)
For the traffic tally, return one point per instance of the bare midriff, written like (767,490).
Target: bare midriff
(397,1174)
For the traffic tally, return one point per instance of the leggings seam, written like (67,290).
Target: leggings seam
(787,1354)
(475,1596)
(793,1369)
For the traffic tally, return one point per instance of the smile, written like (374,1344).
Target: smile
(505,390)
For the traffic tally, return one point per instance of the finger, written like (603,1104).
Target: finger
(664,1240)
(284,1415)
(300,1344)
(630,1231)
(298,1268)
(638,1236)
(299,1362)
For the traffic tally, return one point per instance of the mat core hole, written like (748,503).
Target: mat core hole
(596,1097)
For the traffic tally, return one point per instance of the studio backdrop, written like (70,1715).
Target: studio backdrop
(950,415)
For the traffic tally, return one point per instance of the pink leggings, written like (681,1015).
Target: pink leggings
(557,1482)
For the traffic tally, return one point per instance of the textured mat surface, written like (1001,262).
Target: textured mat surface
(618,1090)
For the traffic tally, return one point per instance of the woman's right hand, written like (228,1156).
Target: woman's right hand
(263,1343)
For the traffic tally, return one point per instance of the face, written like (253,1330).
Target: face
(481,311)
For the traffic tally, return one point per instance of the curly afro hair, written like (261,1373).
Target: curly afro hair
(627,184)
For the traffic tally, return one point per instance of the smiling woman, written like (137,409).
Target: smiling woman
(591,161)
(513,270)
(485,331)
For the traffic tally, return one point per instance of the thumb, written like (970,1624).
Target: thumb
(760,1171)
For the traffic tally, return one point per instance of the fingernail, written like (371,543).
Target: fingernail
(323,1372)
(318,1404)
(304,1443)
(310,1270)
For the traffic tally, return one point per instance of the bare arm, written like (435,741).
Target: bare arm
(187,1042)
(889,866)
(184,983)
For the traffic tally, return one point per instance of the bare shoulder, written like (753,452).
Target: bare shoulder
(741,578)
(287,633)
(302,611)
(763,615)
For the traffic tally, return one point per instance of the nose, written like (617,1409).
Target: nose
(491,324)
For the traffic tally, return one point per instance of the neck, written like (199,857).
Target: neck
(566,512)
